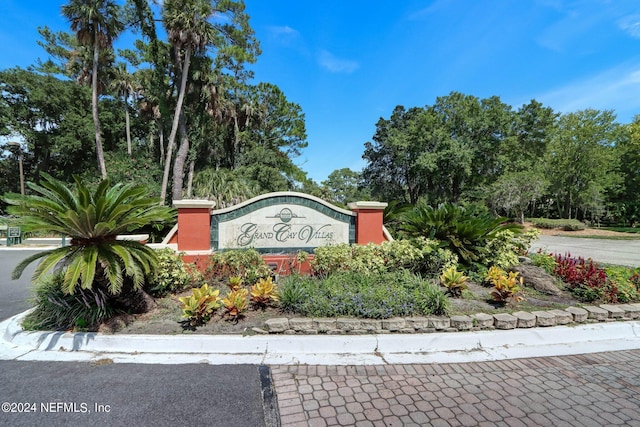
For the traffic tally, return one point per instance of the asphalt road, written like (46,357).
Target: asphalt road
(622,252)
(14,294)
(82,394)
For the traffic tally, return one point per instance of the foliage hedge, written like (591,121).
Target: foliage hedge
(357,294)
(418,255)
(172,275)
(245,263)
(57,310)
(563,224)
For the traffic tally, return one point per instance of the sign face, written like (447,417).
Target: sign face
(281,223)
(13,232)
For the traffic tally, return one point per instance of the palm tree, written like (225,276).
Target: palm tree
(95,259)
(189,32)
(223,186)
(122,83)
(97,24)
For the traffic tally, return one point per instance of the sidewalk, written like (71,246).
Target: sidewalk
(592,390)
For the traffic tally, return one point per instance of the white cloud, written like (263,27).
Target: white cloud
(614,89)
(336,65)
(436,6)
(283,30)
(631,25)
(284,34)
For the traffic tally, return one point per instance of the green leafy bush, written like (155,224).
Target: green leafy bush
(504,249)
(293,292)
(621,279)
(563,224)
(245,263)
(94,258)
(362,295)
(172,275)
(431,300)
(464,230)
(545,261)
(85,309)
(418,255)
(434,258)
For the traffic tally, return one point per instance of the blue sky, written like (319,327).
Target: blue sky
(348,63)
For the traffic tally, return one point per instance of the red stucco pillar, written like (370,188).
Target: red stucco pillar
(194,222)
(369,227)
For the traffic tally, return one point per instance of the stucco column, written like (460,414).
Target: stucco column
(369,227)
(194,222)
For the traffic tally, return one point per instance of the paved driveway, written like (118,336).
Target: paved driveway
(622,252)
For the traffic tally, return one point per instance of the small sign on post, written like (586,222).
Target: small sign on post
(14,236)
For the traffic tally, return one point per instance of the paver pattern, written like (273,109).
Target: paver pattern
(591,390)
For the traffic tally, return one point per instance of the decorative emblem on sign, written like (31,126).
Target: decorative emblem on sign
(285,215)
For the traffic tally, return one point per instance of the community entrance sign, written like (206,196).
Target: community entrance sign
(281,223)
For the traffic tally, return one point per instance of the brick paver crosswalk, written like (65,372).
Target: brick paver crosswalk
(600,389)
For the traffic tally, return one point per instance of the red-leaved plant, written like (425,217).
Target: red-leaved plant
(586,280)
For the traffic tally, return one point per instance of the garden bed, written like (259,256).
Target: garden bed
(166,318)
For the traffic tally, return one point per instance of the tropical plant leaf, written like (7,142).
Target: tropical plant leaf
(92,221)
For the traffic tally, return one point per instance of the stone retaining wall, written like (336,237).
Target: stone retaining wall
(475,322)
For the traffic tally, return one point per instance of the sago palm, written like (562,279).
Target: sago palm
(95,257)
(463,230)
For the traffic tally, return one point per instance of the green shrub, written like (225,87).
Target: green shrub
(434,258)
(172,275)
(431,300)
(92,219)
(620,279)
(504,249)
(545,261)
(464,230)
(293,292)
(245,263)
(362,295)
(563,224)
(56,310)
(417,255)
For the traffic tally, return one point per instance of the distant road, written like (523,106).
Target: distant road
(15,294)
(622,252)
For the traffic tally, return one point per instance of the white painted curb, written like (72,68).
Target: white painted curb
(448,347)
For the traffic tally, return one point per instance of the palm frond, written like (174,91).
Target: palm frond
(93,220)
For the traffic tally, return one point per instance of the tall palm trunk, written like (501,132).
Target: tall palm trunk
(190,178)
(174,126)
(127,122)
(161,143)
(181,158)
(94,102)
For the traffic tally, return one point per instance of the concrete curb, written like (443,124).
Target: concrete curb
(459,347)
